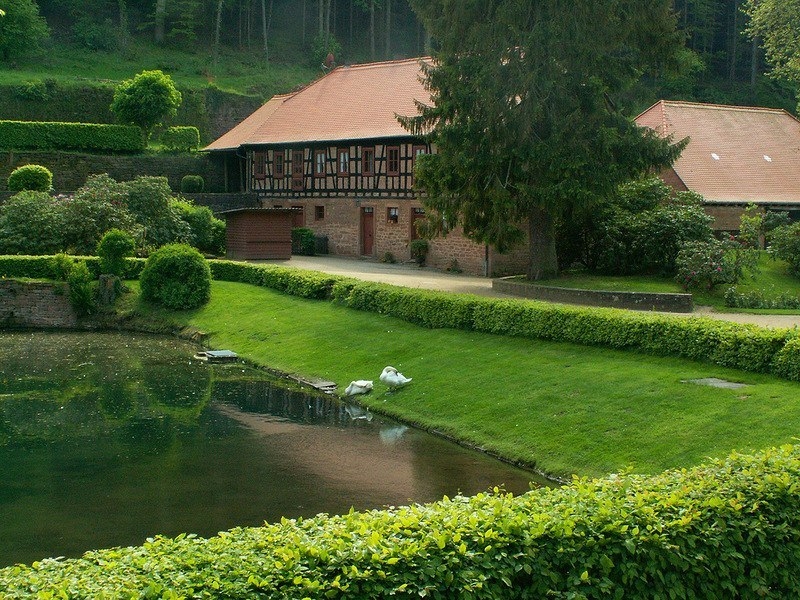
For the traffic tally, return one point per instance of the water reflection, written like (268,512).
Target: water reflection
(108,439)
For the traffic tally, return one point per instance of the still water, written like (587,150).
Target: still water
(107,439)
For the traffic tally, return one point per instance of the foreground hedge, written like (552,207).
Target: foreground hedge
(90,137)
(734,345)
(45,267)
(727,529)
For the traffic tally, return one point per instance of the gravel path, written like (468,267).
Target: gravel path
(409,275)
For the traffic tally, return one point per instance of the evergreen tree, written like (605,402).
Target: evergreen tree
(523,114)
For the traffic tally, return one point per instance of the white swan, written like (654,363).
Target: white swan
(393,378)
(361,386)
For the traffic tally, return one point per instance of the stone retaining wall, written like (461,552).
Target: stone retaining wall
(34,304)
(628,300)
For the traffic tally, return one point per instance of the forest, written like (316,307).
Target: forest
(721,64)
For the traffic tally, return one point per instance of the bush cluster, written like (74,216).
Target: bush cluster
(734,345)
(785,245)
(639,230)
(303,243)
(35,178)
(85,137)
(176,276)
(726,529)
(37,223)
(757,299)
(181,139)
(192,184)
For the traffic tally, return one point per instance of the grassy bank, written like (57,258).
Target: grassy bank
(563,408)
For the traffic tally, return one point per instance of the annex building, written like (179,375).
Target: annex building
(736,155)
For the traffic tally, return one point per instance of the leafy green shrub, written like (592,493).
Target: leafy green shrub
(80,289)
(30,177)
(785,245)
(181,139)
(192,184)
(760,299)
(419,251)
(705,265)
(97,207)
(146,100)
(303,243)
(787,361)
(114,250)
(95,36)
(30,223)
(61,265)
(50,267)
(203,226)
(725,529)
(151,203)
(87,137)
(176,276)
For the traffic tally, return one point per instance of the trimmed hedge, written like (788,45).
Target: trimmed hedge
(726,529)
(91,137)
(47,267)
(745,347)
(181,139)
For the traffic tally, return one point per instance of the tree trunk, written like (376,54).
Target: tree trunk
(161,16)
(264,27)
(123,24)
(372,30)
(388,50)
(321,16)
(217,29)
(542,245)
(754,63)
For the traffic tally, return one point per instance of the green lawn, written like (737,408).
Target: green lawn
(773,279)
(565,408)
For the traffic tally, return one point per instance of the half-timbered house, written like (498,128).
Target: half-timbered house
(336,153)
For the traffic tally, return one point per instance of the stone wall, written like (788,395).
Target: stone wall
(70,170)
(627,300)
(31,304)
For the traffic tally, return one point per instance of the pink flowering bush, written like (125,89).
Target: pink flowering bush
(704,265)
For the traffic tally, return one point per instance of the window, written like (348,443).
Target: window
(319,212)
(393,160)
(280,168)
(392,214)
(343,162)
(368,162)
(319,163)
(259,165)
(297,170)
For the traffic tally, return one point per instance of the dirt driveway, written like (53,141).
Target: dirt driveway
(410,275)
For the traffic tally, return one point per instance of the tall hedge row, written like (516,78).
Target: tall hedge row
(726,529)
(90,137)
(745,347)
(47,267)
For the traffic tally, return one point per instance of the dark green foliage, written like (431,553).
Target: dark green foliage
(525,120)
(785,245)
(146,100)
(181,139)
(87,32)
(97,207)
(88,137)
(705,265)
(31,223)
(176,276)
(80,288)
(151,203)
(22,29)
(192,184)
(725,529)
(303,241)
(114,250)
(35,178)
(204,227)
(639,229)
(419,250)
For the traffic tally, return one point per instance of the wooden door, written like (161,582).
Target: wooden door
(367,230)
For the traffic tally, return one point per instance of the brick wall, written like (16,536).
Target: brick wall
(259,234)
(726,218)
(46,305)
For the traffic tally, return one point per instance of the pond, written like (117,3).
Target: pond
(107,439)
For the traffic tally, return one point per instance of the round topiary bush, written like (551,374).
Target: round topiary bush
(176,276)
(192,184)
(113,251)
(30,177)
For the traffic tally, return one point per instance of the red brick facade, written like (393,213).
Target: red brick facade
(253,234)
(31,304)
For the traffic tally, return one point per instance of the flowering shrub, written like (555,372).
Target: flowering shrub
(708,264)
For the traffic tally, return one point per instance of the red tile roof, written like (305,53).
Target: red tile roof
(735,153)
(349,103)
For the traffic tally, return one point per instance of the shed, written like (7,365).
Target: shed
(258,233)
